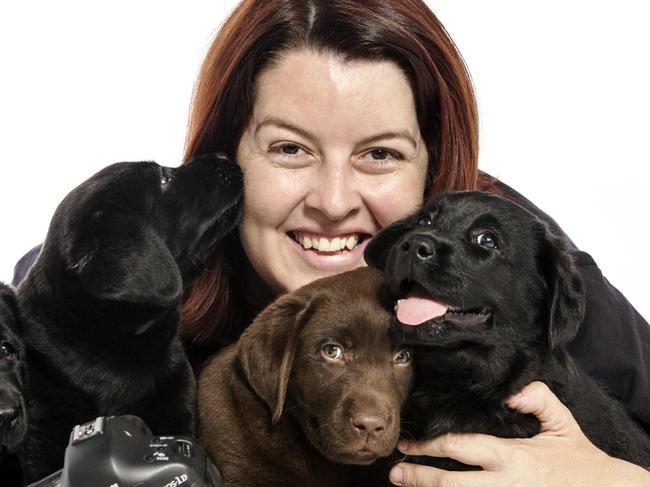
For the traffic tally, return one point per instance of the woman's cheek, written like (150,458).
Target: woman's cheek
(271,192)
(395,198)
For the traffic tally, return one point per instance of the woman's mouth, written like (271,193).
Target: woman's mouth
(319,243)
(330,253)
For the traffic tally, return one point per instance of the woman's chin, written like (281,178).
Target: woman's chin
(304,266)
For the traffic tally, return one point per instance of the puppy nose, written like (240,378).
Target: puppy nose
(421,246)
(369,424)
(8,414)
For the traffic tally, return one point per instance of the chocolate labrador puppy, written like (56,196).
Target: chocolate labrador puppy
(490,298)
(313,388)
(100,305)
(13,422)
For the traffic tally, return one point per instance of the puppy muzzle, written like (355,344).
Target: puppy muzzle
(417,249)
(409,261)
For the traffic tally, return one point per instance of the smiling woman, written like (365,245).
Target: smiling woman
(327,163)
(341,127)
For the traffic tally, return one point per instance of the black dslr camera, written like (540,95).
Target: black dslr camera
(120,451)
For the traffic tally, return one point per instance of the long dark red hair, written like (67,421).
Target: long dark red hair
(405,32)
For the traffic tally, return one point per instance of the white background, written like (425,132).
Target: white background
(563,89)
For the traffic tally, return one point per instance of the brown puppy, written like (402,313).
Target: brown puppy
(314,385)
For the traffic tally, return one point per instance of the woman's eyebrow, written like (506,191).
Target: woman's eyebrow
(278,122)
(390,134)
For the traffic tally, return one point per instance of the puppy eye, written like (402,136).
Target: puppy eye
(165,175)
(487,240)
(425,221)
(332,351)
(401,358)
(7,349)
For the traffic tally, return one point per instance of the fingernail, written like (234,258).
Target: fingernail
(514,399)
(396,476)
(403,445)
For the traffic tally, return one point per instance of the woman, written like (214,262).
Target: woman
(345,115)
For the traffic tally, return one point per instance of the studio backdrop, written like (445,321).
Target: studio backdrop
(562,89)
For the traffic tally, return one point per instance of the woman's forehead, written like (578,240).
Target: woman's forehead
(306,88)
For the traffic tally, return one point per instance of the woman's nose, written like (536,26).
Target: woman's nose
(334,192)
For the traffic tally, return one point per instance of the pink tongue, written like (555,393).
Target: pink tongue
(417,308)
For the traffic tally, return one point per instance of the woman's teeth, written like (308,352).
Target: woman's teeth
(323,244)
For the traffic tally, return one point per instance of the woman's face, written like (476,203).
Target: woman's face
(331,155)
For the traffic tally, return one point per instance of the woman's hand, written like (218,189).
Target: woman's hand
(560,454)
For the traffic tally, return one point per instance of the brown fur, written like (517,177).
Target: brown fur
(274,410)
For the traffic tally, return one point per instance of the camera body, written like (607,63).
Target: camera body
(120,451)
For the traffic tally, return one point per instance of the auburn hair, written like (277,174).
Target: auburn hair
(253,37)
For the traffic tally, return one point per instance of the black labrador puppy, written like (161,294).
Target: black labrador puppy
(13,421)
(101,303)
(489,299)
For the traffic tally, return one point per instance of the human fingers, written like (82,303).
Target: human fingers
(469,448)
(538,399)
(413,475)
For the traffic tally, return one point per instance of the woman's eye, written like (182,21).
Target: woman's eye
(290,149)
(332,351)
(487,240)
(289,155)
(379,161)
(287,149)
(384,155)
(403,357)
(380,154)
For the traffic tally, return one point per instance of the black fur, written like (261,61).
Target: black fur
(13,414)
(523,303)
(101,303)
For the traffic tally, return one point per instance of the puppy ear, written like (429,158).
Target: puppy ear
(7,295)
(267,348)
(377,250)
(8,307)
(566,303)
(10,322)
(123,259)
